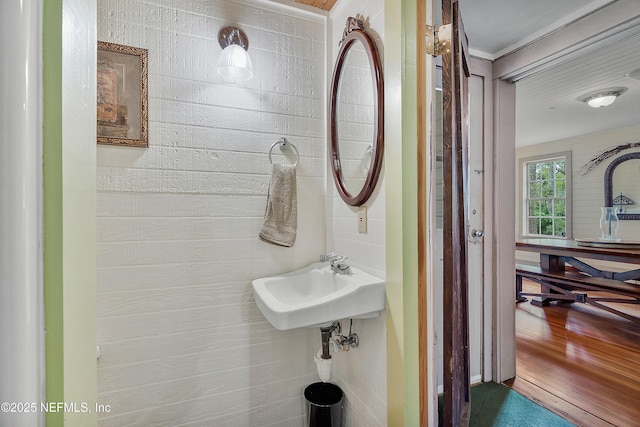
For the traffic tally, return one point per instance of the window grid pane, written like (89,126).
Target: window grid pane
(545,203)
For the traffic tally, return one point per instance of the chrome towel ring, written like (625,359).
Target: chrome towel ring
(284,144)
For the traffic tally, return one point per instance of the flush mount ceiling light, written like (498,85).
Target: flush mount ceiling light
(234,64)
(603,98)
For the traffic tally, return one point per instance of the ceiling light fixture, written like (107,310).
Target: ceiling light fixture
(234,64)
(603,98)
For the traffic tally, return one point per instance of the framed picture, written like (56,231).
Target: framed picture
(122,95)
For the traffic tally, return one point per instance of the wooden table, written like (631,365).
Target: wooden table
(565,274)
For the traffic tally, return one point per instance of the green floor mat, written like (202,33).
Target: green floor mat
(497,405)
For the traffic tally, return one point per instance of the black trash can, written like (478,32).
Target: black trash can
(324,405)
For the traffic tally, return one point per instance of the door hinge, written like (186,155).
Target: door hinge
(438,39)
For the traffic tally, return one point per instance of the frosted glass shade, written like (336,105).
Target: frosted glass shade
(604,97)
(601,101)
(235,64)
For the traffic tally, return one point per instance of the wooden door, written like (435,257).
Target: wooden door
(457,395)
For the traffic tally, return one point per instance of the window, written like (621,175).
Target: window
(546,192)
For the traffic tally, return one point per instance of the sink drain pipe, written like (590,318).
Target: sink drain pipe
(332,340)
(326,336)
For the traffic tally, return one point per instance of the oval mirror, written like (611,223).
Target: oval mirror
(356,116)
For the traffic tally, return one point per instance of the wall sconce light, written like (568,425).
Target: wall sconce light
(234,64)
(603,98)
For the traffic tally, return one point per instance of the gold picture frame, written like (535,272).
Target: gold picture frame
(122,96)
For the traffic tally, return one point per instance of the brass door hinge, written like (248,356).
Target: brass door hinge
(438,39)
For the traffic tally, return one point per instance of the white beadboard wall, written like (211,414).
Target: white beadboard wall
(362,372)
(588,190)
(183,343)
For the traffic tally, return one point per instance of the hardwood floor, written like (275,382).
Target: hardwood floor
(579,361)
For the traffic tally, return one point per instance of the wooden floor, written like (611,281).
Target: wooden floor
(580,362)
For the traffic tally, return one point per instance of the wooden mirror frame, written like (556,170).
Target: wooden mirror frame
(608,183)
(354,31)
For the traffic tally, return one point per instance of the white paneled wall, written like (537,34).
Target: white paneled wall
(588,190)
(362,372)
(183,343)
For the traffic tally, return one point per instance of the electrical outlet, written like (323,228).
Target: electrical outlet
(362,220)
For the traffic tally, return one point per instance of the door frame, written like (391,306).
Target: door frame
(608,24)
(611,21)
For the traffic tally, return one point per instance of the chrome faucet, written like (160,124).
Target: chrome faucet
(338,263)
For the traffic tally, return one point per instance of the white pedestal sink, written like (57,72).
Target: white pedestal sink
(315,296)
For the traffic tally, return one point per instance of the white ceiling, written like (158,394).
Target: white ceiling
(547,104)
(496,27)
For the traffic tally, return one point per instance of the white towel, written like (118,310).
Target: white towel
(281,214)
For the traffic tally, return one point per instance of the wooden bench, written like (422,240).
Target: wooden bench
(572,286)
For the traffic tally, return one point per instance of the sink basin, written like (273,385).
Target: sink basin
(315,296)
